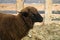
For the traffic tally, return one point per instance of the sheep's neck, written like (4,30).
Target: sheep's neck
(27,26)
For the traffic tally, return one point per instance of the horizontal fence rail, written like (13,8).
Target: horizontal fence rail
(7,6)
(39,6)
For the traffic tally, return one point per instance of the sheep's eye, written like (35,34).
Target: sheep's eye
(32,15)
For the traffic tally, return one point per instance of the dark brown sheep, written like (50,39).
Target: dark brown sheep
(15,27)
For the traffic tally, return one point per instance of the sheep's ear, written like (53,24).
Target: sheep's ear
(25,14)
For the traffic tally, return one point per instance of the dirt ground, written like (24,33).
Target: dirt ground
(44,32)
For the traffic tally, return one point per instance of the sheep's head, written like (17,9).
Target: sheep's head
(32,13)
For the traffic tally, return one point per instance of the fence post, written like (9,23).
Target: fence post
(48,11)
(20,4)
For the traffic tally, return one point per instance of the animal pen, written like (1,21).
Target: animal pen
(48,7)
